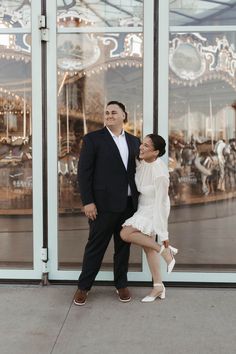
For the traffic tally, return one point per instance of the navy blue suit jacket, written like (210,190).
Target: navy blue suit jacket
(102,176)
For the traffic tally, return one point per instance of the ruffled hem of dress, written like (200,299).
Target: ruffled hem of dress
(140,223)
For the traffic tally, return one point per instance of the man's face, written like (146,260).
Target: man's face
(114,116)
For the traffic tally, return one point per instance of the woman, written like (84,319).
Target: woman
(151,218)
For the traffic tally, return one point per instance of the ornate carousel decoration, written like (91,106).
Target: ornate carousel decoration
(192,62)
(16,13)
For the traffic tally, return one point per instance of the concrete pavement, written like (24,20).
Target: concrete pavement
(36,320)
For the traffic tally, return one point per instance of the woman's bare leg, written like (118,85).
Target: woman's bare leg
(153,259)
(132,235)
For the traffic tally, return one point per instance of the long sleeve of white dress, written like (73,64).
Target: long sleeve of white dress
(161,208)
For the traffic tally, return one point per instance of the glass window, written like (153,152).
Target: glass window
(99,13)
(93,69)
(202,148)
(202,12)
(16,236)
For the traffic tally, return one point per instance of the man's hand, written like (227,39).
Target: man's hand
(90,211)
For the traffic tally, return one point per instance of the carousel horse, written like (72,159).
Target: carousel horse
(222,149)
(206,165)
(230,166)
(211,164)
(16,157)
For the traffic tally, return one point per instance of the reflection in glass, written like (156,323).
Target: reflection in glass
(202,12)
(202,143)
(113,13)
(15,13)
(92,70)
(15,152)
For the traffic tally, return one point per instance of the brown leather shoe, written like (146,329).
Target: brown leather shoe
(124,294)
(80,297)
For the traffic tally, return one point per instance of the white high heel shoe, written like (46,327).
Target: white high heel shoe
(173,250)
(165,255)
(161,294)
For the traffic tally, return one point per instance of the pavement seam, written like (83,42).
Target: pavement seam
(63,323)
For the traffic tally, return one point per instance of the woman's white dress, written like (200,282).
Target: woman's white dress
(151,218)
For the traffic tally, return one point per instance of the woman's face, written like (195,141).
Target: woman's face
(146,150)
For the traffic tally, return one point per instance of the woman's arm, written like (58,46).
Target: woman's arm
(161,207)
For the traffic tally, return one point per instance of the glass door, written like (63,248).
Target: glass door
(200,84)
(20,140)
(95,55)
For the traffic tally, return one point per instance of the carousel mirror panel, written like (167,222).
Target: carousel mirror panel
(202,12)
(202,149)
(93,68)
(16,235)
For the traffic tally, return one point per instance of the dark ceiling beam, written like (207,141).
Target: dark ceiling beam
(183,15)
(217,2)
(67,6)
(221,11)
(95,13)
(216,14)
(118,8)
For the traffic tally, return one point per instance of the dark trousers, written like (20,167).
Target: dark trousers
(100,233)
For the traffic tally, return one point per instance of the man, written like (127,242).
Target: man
(106,178)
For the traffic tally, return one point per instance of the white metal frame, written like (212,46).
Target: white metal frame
(54,273)
(36,272)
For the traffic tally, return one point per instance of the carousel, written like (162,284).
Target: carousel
(15,115)
(202,118)
(115,70)
(93,68)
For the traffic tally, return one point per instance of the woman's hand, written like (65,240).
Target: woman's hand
(166,243)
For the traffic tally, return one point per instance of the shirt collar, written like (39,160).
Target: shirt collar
(113,135)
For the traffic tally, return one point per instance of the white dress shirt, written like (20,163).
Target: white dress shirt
(121,143)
